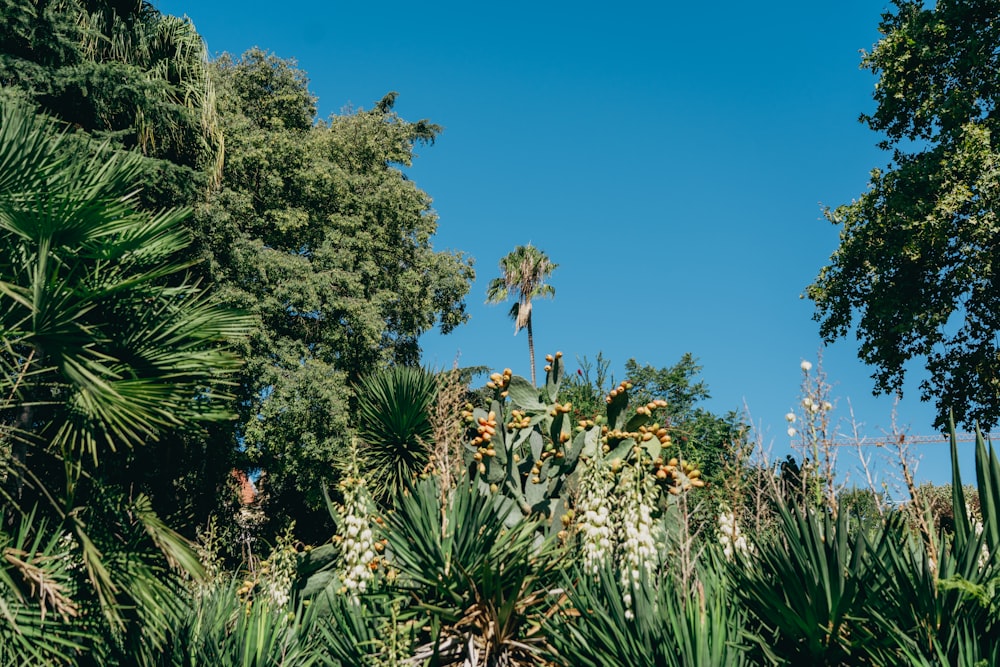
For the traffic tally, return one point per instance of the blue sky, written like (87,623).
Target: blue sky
(672,158)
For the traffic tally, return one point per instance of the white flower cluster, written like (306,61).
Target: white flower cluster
(69,550)
(276,574)
(638,549)
(595,523)
(730,536)
(977,526)
(813,406)
(357,541)
(280,575)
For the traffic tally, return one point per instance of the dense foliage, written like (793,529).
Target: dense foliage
(915,276)
(122,72)
(107,346)
(317,232)
(153,354)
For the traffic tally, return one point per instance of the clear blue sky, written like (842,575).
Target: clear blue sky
(673,158)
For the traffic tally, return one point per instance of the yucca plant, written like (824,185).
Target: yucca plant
(665,625)
(940,608)
(220,629)
(807,590)
(479,585)
(373,631)
(394,427)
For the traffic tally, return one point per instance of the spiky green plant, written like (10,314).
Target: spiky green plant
(481,584)
(222,630)
(375,631)
(807,590)
(943,611)
(394,427)
(664,626)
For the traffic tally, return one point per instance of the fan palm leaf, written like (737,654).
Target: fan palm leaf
(106,344)
(38,610)
(119,338)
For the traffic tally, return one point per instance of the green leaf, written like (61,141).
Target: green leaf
(554,378)
(524,396)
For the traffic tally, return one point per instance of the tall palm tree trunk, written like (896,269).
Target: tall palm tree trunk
(531,352)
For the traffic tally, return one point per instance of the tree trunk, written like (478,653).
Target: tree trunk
(531,352)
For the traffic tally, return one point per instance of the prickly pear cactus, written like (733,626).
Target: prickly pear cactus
(526,449)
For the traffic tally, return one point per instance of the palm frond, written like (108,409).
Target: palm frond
(38,605)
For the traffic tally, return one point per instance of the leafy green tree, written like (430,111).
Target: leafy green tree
(523,273)
(916,274)
(587,388)
(318,233)
(124,73)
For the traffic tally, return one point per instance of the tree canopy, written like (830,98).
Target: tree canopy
(318,233)
(120,72)
(917,276)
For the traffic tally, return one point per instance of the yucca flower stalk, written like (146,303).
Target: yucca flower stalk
(357,538)
(637,550)
(595,515)
(731,537)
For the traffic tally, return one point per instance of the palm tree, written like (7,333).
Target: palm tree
(523,275)
(106,344)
